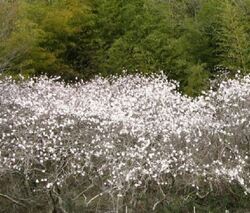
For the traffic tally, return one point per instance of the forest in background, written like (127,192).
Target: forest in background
(191,41)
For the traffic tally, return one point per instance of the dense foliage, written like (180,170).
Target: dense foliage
(186,39)
(105,144)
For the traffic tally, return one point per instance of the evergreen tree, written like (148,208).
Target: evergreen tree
(232,38)
(186,39)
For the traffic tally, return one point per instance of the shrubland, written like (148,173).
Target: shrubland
(123,144)
(169,134)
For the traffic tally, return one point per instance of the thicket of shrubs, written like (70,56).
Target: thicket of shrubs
(133,139)
(123,144)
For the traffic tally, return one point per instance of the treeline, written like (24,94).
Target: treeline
(189,40)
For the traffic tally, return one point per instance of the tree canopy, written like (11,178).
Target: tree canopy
(187,40)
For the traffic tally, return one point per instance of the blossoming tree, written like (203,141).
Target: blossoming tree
(120,138)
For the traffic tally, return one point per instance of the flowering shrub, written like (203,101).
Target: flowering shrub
(122,135)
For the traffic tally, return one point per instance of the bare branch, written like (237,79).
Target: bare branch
(12,200)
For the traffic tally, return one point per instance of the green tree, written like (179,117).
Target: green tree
(186,39)
(8,18)
(41,33)
(232,37)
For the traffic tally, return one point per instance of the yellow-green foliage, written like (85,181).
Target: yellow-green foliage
(185,39)
(233,42)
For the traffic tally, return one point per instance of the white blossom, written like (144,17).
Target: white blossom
(124,130)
